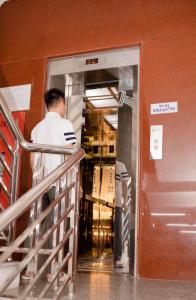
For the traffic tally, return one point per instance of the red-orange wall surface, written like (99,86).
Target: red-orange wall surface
(31,31)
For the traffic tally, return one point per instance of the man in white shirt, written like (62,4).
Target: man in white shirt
(54,129)
(121,195)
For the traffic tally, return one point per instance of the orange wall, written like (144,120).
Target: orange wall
(32,31)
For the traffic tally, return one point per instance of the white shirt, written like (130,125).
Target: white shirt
(53,130)
(121,175)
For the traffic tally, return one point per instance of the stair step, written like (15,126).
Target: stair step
(5,270)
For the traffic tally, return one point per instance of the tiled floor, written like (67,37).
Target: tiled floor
(107,286)
(114,286)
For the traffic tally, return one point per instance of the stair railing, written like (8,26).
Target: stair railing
(61,257)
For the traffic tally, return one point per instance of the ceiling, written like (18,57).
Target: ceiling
(106,99)
(102,89)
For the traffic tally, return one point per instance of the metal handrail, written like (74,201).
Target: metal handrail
(60,177)
(11,193)
(100,201)
(19,207)
(10,120)
(5,142)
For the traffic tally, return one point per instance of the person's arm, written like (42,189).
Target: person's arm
(69,137)
(71,141)
(32,154)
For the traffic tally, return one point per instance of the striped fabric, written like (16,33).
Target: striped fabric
(117,177)
(70,137)
(122,176)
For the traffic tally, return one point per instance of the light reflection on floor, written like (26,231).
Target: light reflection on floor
(103,263)
(112,286)
(90,264)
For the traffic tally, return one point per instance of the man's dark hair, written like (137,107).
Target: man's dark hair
(53,96)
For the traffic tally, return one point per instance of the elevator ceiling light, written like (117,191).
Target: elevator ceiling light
(101,92)
(104,103)
(103,97)
(100,98)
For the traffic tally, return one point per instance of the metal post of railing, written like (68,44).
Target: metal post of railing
(35,211)
(76,218)
(14,188)
(38,210)
(64,207)
(10,120)
(55,236)
(73,177)
(15,172)
(70,166)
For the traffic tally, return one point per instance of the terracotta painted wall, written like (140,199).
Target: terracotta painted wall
(32,31)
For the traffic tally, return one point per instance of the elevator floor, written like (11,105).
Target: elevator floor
(93,264)
(99,262)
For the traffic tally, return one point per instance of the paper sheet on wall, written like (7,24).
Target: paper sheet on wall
(108,183)
(17,97)
(156,142)
(164,108)
(96,182)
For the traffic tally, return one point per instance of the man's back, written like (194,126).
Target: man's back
(52,130)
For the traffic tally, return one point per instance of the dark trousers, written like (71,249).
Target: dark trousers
(117,233)
(48,197)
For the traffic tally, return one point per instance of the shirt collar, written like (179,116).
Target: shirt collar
(52,114)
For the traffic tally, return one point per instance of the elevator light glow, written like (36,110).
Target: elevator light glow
(92,61)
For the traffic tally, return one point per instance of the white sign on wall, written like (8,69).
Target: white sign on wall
(17,97)
(164,108)
(156,142)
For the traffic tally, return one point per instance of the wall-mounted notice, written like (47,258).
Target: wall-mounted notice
(156,141)
(164,108)
(17,97)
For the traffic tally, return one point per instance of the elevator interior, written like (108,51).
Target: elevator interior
(102,105)
(99,136)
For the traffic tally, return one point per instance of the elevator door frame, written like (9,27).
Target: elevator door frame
(106,59)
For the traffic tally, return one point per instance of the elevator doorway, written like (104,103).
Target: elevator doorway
(102,104)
